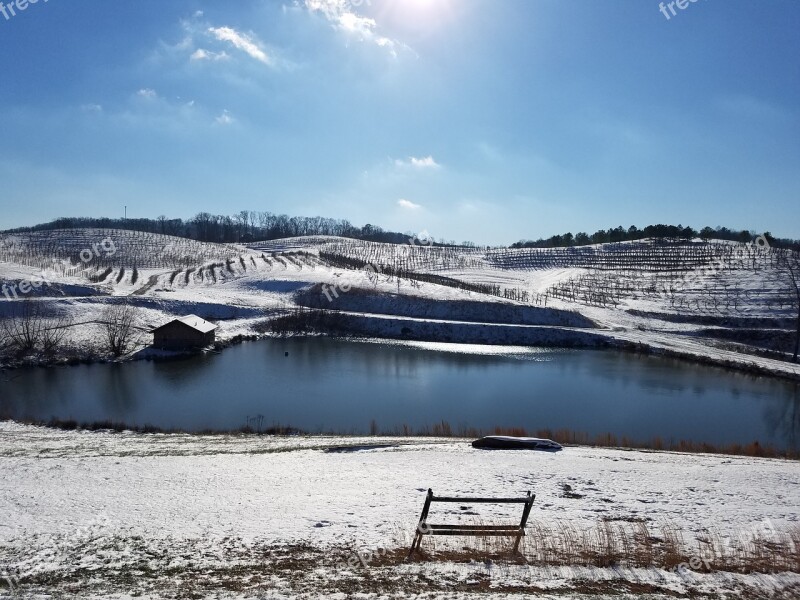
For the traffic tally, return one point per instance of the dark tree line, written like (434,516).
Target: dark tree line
(632,233)
(250,226)
(243,227)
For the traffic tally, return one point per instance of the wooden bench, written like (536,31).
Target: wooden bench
(425,528)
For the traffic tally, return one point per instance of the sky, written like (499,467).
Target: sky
(482,120)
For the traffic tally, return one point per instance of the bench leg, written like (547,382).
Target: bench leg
(524,521)
(421,525)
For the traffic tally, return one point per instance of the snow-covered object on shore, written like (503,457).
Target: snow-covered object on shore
(506,442)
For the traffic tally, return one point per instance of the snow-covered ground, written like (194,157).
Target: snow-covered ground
(103,515)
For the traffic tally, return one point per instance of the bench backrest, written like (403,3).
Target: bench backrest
(425,528)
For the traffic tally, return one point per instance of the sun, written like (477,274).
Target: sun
(423,5)
(417,12)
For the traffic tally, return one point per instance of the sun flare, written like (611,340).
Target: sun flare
(417,12)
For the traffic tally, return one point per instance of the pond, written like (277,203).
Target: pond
(328,385)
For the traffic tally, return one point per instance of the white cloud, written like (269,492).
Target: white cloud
(204,43)
(352,22)
(408,205)
(426,162)
(203,54)
(224,119)
(342,17)
(147,93)
(241,41)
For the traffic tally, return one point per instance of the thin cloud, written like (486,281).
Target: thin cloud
(408,204)
(342,17)
(147,93)
(203,54)
(751,107)
(241,41)
(224,119)
(426,162)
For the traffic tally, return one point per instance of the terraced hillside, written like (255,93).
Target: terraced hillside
(85,251)
(702,298)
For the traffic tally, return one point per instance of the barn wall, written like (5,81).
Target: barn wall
(177,335)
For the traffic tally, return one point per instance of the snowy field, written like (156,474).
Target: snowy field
(103,515)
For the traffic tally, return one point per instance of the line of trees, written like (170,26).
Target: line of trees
(243,227)
(632,233)
(250,226)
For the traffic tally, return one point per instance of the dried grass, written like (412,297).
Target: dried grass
(603,440)
(624,543)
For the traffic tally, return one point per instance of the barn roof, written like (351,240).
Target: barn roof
(194,322)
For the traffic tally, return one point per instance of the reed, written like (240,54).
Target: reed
(621,544)
(444,429)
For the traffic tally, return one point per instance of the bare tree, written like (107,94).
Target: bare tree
(121,329)
(788,266)
(29,330)
(22,332)
(53,335)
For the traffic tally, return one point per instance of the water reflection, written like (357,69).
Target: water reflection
(332,385)
(783,418)
(122,397)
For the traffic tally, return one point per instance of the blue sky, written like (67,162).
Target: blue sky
(483,120)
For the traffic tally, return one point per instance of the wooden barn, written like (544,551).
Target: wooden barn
(184,333)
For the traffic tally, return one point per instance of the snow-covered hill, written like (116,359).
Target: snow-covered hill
(715,300)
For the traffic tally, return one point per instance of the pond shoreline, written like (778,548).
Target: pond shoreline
(570,339)
(438,431)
